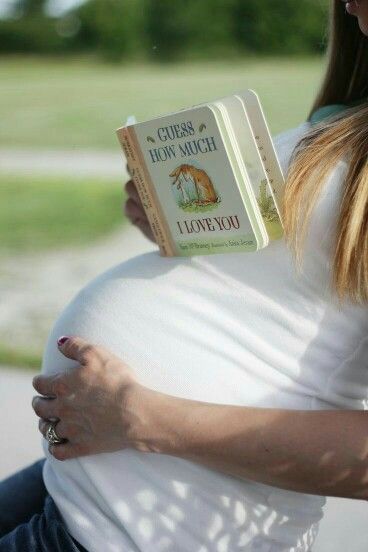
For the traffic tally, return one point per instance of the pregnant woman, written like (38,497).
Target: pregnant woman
(210,403)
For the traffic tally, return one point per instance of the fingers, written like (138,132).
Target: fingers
(61,428)
(45,385)
(134,210)
(72,347)
(131,191)
(43,426)
(45,408)
(145,227)
(66,451)
(79,349)
(138,217)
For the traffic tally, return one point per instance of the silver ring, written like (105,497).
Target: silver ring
(51,435)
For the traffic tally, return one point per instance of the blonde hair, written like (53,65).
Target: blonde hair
(315,156)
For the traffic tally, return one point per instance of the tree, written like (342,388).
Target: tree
(30,7)
(113,27)
(286,27)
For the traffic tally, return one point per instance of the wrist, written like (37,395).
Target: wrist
(156,421)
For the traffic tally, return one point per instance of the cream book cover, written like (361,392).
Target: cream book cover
(201,180)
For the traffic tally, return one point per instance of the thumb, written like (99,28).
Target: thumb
(76,348)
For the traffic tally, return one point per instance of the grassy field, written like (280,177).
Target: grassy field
(40,213)
(23,358)
(77,104)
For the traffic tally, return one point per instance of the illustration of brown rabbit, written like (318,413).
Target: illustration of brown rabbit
(203,184)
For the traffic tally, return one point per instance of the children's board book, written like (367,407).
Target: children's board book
(208,177)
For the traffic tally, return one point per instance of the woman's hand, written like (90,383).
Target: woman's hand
(99,404)
(102,408)
(135,212)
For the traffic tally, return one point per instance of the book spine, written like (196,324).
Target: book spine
(144,186)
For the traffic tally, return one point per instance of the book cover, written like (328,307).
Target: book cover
(187,161)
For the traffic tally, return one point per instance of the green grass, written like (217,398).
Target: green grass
(78,104)
(193,207)
(19,358)
(40,213)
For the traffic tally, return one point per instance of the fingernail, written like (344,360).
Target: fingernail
(62,339)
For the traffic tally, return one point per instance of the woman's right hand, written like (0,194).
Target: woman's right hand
(135,212)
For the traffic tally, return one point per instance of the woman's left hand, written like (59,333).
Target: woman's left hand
(98,403)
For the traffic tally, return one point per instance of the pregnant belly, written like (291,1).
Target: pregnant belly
(186,329)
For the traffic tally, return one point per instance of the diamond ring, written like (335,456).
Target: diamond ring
(51,435)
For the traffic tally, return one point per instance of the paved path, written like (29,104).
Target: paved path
(75,163)
(36,287)
(344,528)
(20,442)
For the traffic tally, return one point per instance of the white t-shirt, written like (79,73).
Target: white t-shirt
(242,329)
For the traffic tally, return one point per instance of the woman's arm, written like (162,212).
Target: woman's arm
(316,452)
(102,408)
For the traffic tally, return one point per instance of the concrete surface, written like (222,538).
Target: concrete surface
(35,287)
(75,163)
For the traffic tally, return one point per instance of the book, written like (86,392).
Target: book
(208,177)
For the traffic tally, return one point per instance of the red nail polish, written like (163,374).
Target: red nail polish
(62,339)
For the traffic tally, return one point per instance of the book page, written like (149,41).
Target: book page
(246,187)
(253,165)
(265,145)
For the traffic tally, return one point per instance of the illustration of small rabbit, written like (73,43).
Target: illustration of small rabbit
(205,190)
(182,189)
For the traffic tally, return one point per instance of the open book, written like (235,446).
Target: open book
(208,177)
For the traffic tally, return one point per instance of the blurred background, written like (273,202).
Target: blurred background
(71,72)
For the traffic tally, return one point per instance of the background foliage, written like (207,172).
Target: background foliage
(169,30)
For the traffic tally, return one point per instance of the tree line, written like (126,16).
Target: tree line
(168,30)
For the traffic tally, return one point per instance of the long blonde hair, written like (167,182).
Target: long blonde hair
(315,156)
